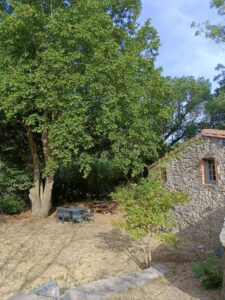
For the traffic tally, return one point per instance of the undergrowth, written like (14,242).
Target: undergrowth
(211,273)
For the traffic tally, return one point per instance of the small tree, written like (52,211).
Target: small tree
(146,209)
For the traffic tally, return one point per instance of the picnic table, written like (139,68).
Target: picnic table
(74,213)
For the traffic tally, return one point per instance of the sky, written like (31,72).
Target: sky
(181,52)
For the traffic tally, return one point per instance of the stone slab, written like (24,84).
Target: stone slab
(28,297)
(102,289)
(50,289)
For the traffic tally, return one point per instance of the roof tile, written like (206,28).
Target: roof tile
(214,133)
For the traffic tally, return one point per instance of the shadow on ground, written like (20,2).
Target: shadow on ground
(197,241)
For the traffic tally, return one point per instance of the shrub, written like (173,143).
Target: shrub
(70,185)
(14,177)
(146,209)
(11,203)
(211,271)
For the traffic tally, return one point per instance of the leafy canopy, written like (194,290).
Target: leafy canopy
(214,31)
(83,71)
(215,108)
(15,171)
(188,98)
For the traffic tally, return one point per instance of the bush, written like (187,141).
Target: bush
(15,177)
(147,212)
(211,271)
(11,204)
(70,185)
(147,206)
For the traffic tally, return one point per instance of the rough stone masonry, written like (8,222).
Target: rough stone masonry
(198,167)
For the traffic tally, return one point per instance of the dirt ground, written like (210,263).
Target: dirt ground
(34,251)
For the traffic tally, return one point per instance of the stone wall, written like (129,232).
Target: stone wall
(222,241)
(202,216)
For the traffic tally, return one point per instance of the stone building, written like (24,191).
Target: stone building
(198,167)
(222,241)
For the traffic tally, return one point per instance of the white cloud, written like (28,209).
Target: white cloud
(182,53)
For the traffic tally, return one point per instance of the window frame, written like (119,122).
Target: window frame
(210,171)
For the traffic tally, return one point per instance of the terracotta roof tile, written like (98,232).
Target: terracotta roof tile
(214,133)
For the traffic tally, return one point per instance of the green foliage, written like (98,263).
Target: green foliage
(211,271)
(11,203)
(70,185)
(168,238)
(14,179)
(188,97)
(103,177)
(83,71)
(147,207)
(213,31)
(15,173)
(215,108)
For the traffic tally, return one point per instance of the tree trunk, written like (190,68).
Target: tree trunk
(40,195)
(47,197)
(35,197)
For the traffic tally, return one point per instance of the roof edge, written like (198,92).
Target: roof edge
(211,133)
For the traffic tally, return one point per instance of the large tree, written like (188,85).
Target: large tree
(78,78)
(188,98)
(215,109)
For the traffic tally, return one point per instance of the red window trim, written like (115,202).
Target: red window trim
(202,171)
